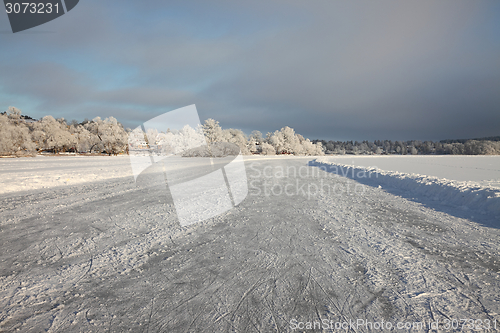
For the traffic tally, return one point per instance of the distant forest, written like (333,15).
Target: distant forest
(22,135)
(480,146)
(490,138)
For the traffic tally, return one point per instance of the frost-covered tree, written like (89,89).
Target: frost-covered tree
(285,141)
(152,136)
(314,149)
(212,130)
(94,140)
(165,143)
(475,147)
(237,137)
(267,149)
(187,138)
(113,136)
(14,113)
(256,137)
(107,135)
(53,135)
(361,148)
(84,139)
(280,145)
(14,137)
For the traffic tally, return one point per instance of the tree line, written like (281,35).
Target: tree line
(23,136)
(414,147)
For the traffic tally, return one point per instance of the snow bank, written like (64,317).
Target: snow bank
(467,194)
(484,169)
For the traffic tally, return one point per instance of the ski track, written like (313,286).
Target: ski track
(110,256)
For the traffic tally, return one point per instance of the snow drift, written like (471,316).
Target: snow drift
(468,195)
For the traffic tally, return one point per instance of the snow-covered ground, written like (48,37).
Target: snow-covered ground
(26,174)
(106,254)
(483,169)
(477,192)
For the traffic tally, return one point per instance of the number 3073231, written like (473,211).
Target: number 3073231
(33,8)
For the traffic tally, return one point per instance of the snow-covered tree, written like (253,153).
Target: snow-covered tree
(237,137)
(285,141)
(280,145)
(254,142)
(152,136)
(84,139)
(14,137)
(256,137)
(50,134)
(212,130)
(267,149)
(107,135)
(113,135)
(314,149)
(14,113)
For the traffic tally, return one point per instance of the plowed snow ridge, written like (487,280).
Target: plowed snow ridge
(469,195)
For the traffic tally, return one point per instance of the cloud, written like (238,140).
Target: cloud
(49,84)
(340,70)
(145,96)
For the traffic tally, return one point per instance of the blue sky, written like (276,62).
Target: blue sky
(341,70)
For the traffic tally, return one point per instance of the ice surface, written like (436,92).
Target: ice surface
(107,254)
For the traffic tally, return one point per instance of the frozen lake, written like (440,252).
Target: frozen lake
(483,169)
(86,249)
(19,174)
